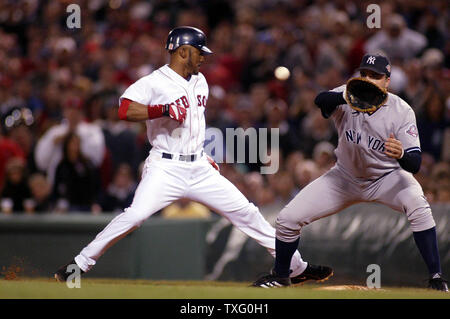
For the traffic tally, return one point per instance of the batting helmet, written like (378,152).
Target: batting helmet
(187,35)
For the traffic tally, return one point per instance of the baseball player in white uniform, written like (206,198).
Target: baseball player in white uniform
(376,155)
(172,100)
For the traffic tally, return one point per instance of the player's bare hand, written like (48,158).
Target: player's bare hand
(393,147)
(177,113)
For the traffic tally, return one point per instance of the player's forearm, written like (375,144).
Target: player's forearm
(328,101)
(136,112)
(411,161)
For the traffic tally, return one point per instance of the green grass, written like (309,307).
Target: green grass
(145,289)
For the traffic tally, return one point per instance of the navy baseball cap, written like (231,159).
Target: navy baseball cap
(376,63)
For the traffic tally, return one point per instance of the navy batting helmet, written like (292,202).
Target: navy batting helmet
(187,35)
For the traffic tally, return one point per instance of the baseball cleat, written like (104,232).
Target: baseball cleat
(438,283)
(272,281)
(313,272)
(62,274)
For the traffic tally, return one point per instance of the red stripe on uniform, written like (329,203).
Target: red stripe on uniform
(123,108)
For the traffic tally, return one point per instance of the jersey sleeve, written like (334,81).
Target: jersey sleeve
(339,112)
(408,133)
(139,92)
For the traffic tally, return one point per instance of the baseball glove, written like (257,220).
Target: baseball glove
(364,96)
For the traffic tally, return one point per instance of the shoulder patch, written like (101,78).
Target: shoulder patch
(412,130)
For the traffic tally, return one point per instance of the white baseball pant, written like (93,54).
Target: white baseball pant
(166,180)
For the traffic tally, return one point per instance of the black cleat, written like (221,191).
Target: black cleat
(62,273)
(438,283)
(272,281)
(313,272)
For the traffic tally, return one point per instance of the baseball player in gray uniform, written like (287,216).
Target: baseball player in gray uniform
(172,101)
(377,155)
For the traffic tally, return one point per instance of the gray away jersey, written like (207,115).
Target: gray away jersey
(360,150)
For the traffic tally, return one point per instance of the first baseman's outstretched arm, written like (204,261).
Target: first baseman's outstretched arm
(328,101)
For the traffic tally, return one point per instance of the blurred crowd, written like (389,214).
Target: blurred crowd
(63,148)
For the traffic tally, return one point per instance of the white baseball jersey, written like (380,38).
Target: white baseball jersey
(360,151)
(165,86)
(164,180)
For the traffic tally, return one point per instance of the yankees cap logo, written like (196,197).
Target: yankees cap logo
(377,63)
(371,60)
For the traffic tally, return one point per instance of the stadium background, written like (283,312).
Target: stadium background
(50,73)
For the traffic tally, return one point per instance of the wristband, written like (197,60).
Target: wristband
(159,110)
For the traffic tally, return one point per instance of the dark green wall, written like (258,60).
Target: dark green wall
(349,241)
(177,249)
(159,249)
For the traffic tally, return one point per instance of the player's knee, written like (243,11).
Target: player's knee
(134,218)
(419,213)
(421,219)
(287,227)
(291,217)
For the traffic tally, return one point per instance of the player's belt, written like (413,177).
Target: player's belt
(183,158)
